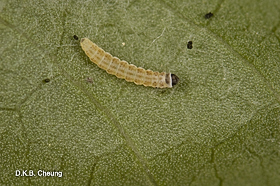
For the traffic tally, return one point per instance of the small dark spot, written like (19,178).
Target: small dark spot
(189,45)
(208,15)
(46,80)
(167,79)
(175,79)
(75,37)
(89,80)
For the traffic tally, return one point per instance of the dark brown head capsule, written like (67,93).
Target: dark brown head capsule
(175,79)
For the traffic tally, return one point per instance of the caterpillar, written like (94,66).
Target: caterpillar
(124,70)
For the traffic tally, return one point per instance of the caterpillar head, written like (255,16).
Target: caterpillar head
(175,79)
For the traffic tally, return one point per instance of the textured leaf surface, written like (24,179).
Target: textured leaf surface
(218,126)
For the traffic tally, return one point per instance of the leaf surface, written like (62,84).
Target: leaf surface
(60,112)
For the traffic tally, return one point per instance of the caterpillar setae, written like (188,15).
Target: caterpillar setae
(124,70)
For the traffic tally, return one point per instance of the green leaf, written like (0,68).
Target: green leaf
(61,113)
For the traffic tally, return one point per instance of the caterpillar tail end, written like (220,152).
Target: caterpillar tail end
(82,40)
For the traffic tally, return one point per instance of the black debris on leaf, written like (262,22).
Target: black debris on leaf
(208,15)
(189,45)
(46,80)
(75,37)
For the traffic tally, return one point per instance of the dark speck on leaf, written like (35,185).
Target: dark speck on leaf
(46,80)
(208,15)
(75,37)
(189,45)
(89,80)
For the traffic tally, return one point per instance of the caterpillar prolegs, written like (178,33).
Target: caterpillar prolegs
(124,70)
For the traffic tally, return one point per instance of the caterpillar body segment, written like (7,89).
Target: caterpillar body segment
(124,70)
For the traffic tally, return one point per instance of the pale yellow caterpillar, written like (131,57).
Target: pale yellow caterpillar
(124,70)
